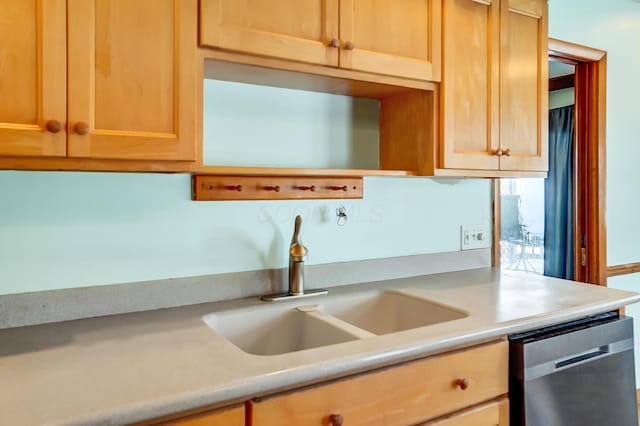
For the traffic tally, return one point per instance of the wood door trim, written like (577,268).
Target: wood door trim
(590,197)
(574,51)
(624,269)
(591,67)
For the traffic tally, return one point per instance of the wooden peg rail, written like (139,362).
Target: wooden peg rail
(218,188)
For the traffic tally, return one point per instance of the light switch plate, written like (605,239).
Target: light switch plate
(474,237)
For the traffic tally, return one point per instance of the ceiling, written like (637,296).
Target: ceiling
(557,69)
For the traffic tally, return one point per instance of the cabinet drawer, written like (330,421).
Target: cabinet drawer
(491,414)
(406,394)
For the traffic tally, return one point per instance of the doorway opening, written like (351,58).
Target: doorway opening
(530,226)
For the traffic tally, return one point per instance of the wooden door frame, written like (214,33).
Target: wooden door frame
(590,194)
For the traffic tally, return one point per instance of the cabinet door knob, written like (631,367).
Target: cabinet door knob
(507,152)
(335,43)
(499,152)
(336,420)
(462,384)
(54,126)
(349,45)
(81,128)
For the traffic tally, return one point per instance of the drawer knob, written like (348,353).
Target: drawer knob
(81,128)
(54,126)
(462,384)
(349,45)
(336,420)
(499,152)
(335,43)
(507,152)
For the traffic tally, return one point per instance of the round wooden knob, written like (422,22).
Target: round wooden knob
(462,384)
(336,420)
(54,126)
(81,128)
(507,152)
(499,152)
(335,43)
(349,46)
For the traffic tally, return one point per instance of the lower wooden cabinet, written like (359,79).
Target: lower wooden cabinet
(461,388)
(407,394)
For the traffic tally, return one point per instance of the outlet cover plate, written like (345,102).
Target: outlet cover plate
(474,237)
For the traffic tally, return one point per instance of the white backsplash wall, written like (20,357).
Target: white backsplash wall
(63,230)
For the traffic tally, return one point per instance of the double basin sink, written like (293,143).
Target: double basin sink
(284,327)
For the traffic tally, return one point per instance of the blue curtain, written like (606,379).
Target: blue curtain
(558,215)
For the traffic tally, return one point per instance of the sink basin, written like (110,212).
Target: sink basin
(273,330)
(390,311)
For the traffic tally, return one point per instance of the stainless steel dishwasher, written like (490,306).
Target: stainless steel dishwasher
(579,373)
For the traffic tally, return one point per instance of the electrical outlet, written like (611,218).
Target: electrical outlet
(474,237)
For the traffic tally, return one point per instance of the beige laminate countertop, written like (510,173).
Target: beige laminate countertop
(126,368)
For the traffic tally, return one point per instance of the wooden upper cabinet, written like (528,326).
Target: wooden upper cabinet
(33,80)
(493,105)
(132,79)
(524,85)
(470,85)
(299,30)
(400,38)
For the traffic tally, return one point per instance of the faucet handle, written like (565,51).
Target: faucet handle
(297,251)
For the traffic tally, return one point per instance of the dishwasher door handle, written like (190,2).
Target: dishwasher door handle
(584,356)
(590,355)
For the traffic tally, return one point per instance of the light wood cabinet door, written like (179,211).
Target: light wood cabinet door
(402,395)
(132,79)
(470,85)
(33,77)
(298,30)
(400,38)
(524,85)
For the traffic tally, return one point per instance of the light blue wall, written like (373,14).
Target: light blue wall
(62,230)
(614,26)
(249,125)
